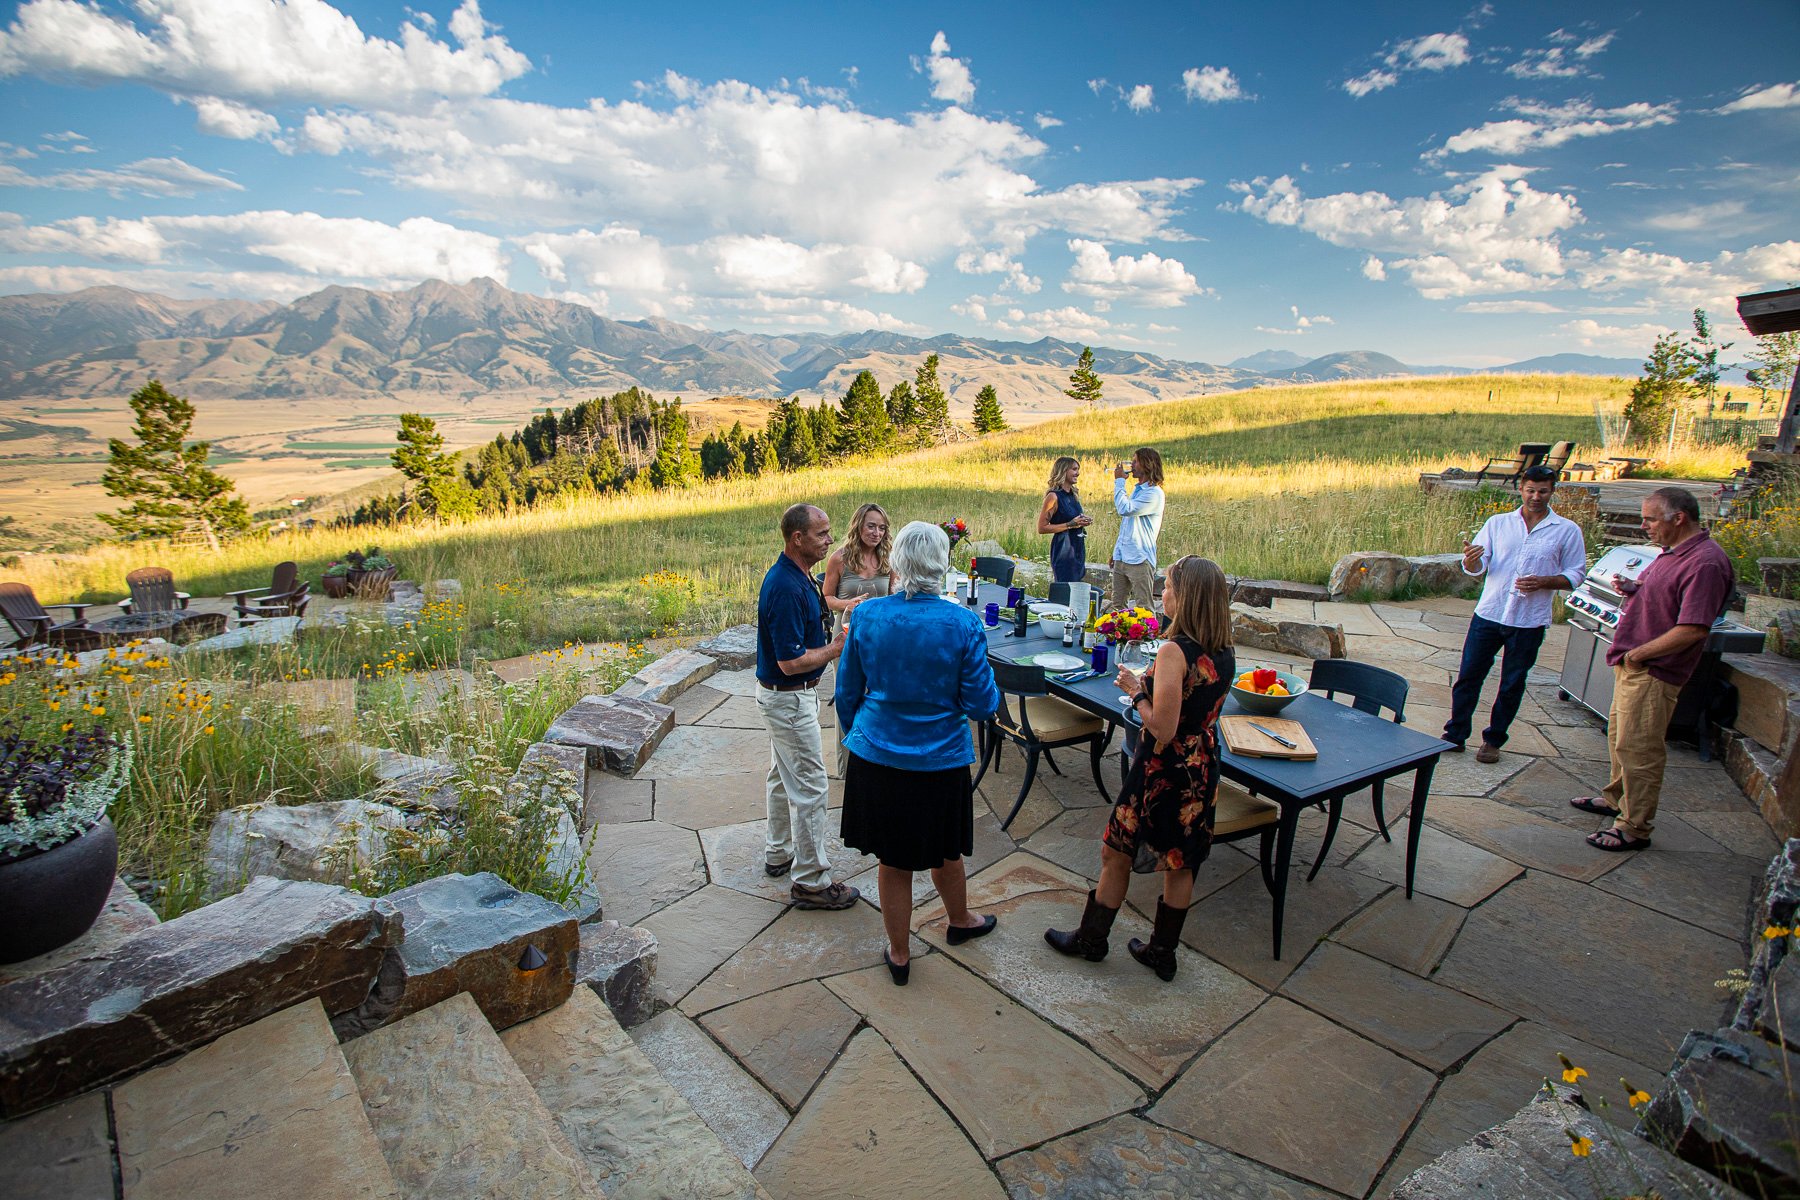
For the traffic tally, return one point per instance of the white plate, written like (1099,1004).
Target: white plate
(1058,662)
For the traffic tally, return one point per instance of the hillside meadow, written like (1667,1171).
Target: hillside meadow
(1271,483)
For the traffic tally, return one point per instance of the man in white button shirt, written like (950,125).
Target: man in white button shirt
(1526,554)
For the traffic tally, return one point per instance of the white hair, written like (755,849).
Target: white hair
(920,557)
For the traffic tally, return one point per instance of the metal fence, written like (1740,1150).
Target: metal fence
(1731,431)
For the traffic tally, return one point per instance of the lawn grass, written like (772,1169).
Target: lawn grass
(1274,483)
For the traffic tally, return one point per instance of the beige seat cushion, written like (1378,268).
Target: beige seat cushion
(1235,810)
(1054,720)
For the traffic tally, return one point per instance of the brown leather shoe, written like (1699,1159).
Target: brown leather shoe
(835,896)
(1489,753)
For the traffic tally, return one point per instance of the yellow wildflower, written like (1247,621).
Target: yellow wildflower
(1772,932)
(1571,1072)
(1579,1146)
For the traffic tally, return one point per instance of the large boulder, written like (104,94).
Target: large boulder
(1728,1105)
(1265,630)
(733,649)
(1375,572)
(619,963)
(618,732)
(966,549)
(177,985)
(475,934)
(1439,574)
(1261,593)
(276,631)
(669,676)
(299,841)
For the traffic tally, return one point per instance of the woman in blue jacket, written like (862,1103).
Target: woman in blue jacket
(914,673)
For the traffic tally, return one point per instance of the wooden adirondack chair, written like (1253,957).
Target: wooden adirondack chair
(286,596)
(32,623)
(152,590)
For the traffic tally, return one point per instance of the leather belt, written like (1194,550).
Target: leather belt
(790,687)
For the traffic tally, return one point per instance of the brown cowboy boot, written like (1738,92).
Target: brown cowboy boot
(1159,952)
(1090,940)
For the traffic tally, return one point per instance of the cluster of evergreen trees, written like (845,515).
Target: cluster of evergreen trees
(631,440)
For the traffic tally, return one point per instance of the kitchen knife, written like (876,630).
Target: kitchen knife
(1272,735)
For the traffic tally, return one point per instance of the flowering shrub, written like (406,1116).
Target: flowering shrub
(1770,529)
(1129,625)
(671,595)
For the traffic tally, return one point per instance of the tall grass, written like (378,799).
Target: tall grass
(1270,483)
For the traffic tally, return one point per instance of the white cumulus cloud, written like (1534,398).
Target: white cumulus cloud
(1544,126)
(1148,281)
(146,177)
(1624,339)
(1211,85)
(258,52)
(1141,98)
(1432,52)
(1564,58)
(1776,95)
(950,78)
(1508,306)
(1300,326)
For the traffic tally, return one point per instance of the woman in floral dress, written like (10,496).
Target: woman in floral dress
(1164,818)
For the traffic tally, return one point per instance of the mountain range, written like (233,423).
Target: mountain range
(450,341)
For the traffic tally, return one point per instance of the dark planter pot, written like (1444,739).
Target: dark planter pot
(335,586)
(52,897)
(372,585)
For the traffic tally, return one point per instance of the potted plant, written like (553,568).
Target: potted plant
(336,579)
(58,851)
(370,573)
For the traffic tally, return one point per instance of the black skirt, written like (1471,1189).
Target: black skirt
(909,820)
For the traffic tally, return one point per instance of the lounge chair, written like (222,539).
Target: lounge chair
(286,596)
(1506,471)
(1558,458)
(32,623)
(152,590)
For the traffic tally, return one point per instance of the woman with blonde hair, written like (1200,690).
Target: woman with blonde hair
(1164,818)
(1062,518)
(860,568)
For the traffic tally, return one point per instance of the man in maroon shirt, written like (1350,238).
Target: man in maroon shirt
(1669,611)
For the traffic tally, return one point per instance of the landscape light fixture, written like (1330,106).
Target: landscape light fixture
(532,961)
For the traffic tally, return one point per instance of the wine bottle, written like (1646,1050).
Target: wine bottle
(971,600)
(1090,632)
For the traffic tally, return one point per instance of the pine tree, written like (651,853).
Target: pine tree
(1656,397)
(901,409)
(798,449)
(863,426)
(675,464)
(1703,352)
(932,405)
(988,416)
(167,484)
(1084,384)
(420,457)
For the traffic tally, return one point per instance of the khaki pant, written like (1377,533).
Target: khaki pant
(797,790)
(1131,584)
(1637,725)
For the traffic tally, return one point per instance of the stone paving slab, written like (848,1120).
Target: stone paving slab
(1528,840)
(1041,805)
(733,1105)
(644,866)
(1432,1025)
(1713,891)
(1072,841)
(701,930)
(1235,925)
(1011,1079)
(734,857)
(990,847)
(740,712)
(1448,867)
(1116,1006)
(734,683)
(1018,874)
(1223,866)
(1129,1156)
(612,800)
(1411,934)
(1602,969)
(787,1038)
(1294,1091)
(1461,775)
(1743,832)
(719,800)
(696,702)
(1502,1078)
(871,1126)
(60,1153)
(802,944)
(1544,784)
(702,752)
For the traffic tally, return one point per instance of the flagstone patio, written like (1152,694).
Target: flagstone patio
(1393,1030)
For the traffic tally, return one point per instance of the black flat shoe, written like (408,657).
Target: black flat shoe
(899,973)
(956,935)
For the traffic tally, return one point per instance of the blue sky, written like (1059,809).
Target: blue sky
(1449,185)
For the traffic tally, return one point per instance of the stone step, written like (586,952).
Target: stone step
(640,1139)
(455,1117)
(269,1109)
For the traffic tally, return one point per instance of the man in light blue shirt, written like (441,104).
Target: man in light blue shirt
(1527,555)
(1140,520)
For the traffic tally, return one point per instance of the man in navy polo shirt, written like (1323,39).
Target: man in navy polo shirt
(792,651)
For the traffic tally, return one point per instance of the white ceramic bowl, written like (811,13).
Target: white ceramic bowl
(1052,618)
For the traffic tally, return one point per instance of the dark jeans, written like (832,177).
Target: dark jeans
(1487,639)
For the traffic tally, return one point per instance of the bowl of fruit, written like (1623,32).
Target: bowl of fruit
(1265,691)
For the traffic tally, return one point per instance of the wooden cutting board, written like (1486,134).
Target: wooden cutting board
(1244,740)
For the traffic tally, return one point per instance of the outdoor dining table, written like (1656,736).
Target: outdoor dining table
(1356,751)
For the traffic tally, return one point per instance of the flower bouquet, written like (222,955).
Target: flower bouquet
(1129,628)
(956,529)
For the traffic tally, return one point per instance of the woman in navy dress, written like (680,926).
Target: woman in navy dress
(1062,517)
(1164,818)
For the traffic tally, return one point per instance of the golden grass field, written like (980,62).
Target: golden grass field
(1271,483)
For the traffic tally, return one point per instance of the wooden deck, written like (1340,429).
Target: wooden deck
(1620,500)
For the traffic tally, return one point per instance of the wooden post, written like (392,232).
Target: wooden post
(1784,433)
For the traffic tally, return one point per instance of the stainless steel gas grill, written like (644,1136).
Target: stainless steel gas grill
(1593,612)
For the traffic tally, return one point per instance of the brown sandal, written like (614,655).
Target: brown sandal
(1614,841)
(1593,804)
